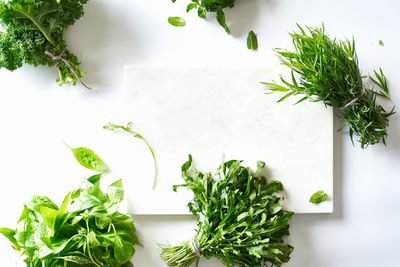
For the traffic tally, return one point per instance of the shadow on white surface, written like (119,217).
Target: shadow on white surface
(303,254)
(244,15)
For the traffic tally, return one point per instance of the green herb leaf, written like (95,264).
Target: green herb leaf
(128,129)
(252,42)
(381,43)
(202,12)
(240,219)
(222,22)
(88,159)
(318,197)
(191,6)
(176,21)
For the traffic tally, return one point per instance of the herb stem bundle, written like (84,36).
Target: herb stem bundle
(326,70)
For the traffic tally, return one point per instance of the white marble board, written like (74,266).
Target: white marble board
(210,111)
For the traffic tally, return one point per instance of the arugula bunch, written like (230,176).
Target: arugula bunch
(33,33)
(86,230)
(217,6)
(326,70)
(240,218)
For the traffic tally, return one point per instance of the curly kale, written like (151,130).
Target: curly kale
(32,32)
(217,6)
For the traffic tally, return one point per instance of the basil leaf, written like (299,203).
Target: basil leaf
(115,192)
(202,12)
(123,250)
(176,21)
(191,6)
(221,20)
(252,42)
(318,197)
(88,159)
(9,234)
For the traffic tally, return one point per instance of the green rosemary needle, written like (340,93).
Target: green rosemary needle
(326,70)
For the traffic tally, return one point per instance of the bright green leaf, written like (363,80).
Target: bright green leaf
(252,42)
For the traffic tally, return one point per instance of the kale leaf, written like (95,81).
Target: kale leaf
(32,32)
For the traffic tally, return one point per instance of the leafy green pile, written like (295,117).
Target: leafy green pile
(86,230)
(328,72)
(240,218)
(217,6)
(33,33)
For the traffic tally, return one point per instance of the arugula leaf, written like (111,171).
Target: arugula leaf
(88,159)
(327,71)
(240,219)
(318,197)
(176,21)
(252,42)
(70,235)
(34,34)
(222,22)
(128,129)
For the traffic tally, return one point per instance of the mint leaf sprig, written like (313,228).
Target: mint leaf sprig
(216,6)
(326,70)
(240,219)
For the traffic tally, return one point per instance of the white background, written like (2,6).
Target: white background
(362,231)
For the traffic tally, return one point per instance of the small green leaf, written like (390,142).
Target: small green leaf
(191,6)
(88,159)
(115,192)
(202,12)
(318,197)
(9,234)
(381,43)
(123,250)
(176,21)
(252,42)
(221,20)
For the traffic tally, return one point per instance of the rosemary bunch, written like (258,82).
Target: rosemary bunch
(326,70)
(240,218)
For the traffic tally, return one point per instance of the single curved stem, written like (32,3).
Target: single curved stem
(155,163)
(88,247)
(127,129)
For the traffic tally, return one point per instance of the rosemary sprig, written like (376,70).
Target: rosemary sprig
(326,70)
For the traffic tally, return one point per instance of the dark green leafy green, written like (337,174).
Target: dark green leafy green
(326,70)
(88,159)
(176,21)
(216,6)
(128,129)
(318,197)
(252,42)
(33,33)
(240,218)
(86,230)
